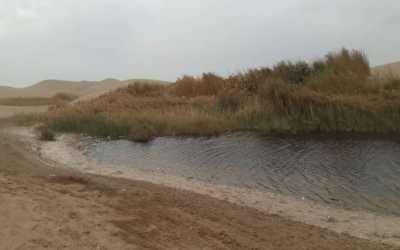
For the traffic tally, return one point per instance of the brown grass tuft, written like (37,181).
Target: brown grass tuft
(45,133)
(209,84)
(142,133)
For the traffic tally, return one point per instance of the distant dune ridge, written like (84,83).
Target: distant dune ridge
(387,68)
(84,89)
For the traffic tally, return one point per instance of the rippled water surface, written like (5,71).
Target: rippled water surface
(357,173)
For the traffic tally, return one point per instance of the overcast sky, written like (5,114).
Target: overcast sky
(164,39)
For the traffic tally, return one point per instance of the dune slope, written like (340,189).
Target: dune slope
(84,89)
(387,68)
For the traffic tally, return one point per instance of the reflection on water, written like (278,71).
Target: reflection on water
(355,173)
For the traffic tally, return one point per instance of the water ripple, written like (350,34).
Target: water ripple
(357,173)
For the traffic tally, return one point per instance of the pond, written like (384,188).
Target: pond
(354,172)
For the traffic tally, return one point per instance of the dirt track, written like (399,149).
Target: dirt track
(46,207)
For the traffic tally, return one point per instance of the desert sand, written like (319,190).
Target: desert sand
(387,68)
(366,225)
(84,89)
(45,204)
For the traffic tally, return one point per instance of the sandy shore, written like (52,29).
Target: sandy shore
(374,227)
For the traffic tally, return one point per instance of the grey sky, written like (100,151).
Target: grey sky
(164,39)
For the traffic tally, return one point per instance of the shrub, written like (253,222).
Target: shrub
(142,133)
(46,134)
(318,67)
(294,72)
(64,97)
(209,84)
(346,61)
(144,89)
(248,81)
(186,86)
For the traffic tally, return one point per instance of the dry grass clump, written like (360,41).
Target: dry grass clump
(330,94)
(142,133)
(209,84)
(349,62)
(64,97)
(58,98)
(46,134)
(294,72)
(340,72)
(144,89)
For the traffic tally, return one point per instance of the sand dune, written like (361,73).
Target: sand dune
(383,69)
(48,88)
(83,89)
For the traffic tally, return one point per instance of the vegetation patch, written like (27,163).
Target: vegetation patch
(57,99)
(46,134)
(335,93)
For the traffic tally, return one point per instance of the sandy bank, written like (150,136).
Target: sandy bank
(47,205)
(375,227)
